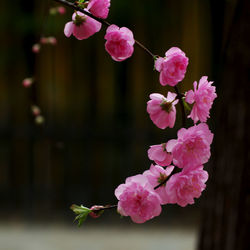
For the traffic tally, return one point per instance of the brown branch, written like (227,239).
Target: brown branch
(105,23)
(179,96)
(176,170)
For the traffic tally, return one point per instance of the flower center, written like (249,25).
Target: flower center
(79,20)
(162,178)
(166,106)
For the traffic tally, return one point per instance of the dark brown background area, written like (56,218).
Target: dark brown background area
(97,131)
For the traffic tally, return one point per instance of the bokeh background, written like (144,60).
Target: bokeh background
(96,130)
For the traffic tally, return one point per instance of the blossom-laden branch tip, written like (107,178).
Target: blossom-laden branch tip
(177,175)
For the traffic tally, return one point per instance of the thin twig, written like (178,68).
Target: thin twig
(179,96)
(107,24)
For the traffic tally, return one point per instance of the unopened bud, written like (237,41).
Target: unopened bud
(39,120)
(35,110)
(27,82)
(44,40)
(96,211)
(36,48)
(61,10)
(52,40)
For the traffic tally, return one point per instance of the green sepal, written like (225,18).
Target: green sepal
(155,58)
(82,213)
(187,106)
(82,4)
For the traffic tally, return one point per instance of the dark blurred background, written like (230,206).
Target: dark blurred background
(96,130)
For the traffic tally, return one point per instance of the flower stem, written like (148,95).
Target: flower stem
(104,22)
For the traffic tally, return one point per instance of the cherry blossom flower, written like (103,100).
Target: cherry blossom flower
(162,110)
(137,199)
(202,98)
(99,8)
(192,148)
(158,154)
(183,187)
(172,67)
(81,26)
(156,175)
(119,42)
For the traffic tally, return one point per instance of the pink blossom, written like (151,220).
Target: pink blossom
(156,175)
(202,98)
(81,26)
(192,148)
(99,8)
(137,199)
(27,82)
(158,154)
(162,110)
(183,187)
(119,42)
(61,10)
(172,67)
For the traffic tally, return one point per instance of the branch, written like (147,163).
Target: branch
(105,23)
(179,96)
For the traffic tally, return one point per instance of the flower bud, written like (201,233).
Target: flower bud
(27,82)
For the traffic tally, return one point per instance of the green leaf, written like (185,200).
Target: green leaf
(81,212)
(79,209)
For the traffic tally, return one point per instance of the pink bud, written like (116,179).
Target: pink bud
(120,42)
(35,110)
(96,211)
(36,48)
(52,40)
(61,10)
(44,40)
(27,82)
(172,67)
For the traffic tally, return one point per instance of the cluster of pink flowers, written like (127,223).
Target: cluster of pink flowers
(119,41)
(177,175)
(188,154)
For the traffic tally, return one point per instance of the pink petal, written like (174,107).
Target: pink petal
(68,29)
(158,64)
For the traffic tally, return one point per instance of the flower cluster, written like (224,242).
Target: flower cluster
(119,41)
(177,175)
